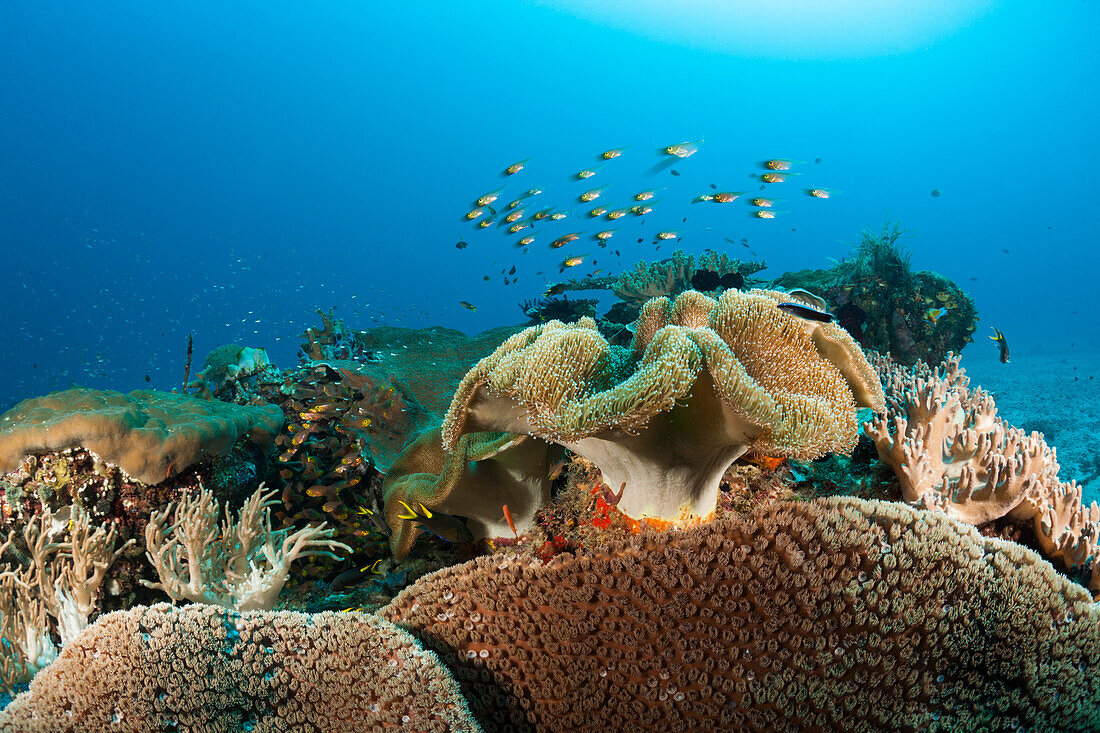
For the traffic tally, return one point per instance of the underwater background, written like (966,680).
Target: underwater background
(261,218)
(225,170)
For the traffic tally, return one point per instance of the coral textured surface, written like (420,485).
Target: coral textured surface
(952,453)
(475,479)
(706,380)
(262,263)
(837,614)
(199,667)
(150,435)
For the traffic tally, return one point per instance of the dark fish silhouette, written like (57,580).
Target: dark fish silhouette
(1001,342)
(805,311)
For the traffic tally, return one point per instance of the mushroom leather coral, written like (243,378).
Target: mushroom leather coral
(483,472)
(707,380)
(149,435)
(199,667)
(835,614)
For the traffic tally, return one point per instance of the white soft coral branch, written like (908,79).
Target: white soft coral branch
(61,579)
(240,564)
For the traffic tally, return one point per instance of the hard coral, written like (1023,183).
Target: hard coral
(149,435)
(204,668)
(706,380)
(837,614)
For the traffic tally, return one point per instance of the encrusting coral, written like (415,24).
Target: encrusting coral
(952,452)
(194,668)
(705,381)
(835,614)
(149,435)
(480,474)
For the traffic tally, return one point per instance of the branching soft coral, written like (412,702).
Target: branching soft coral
(952,452)
(240,564)
(60,580)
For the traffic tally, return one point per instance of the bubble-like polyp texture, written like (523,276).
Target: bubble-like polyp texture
(202,668)
(836,614)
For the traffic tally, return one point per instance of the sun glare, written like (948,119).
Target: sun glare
(785,29)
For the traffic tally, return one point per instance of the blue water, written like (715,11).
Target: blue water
(224,169)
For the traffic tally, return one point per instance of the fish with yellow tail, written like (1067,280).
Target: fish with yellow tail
(1002,343)
(443,526)
(376,519)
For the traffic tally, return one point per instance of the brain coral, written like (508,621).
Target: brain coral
(149,435)
(199,667)
(706,380)
(836,614)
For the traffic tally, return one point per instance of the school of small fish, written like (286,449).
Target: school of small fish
(590,206)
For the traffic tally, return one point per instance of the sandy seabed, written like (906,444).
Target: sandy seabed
(1054,392)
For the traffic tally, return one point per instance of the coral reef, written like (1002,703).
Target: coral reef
(952,452)
(705,381)
(76,480)
(343,427)
(175,441)
(832,614)
(52,590)
(558,309)
(334,340)
(205,668)
(231,373)
(673,276)
(149,435)
(353,405)
(888,307)
(240,564)
(480,474)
